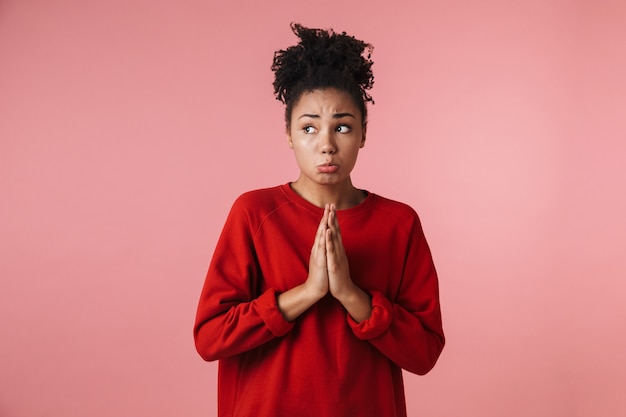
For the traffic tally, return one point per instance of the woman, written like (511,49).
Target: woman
(319,293)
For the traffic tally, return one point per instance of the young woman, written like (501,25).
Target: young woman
(320,293)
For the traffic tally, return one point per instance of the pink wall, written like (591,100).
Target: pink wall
(128,127)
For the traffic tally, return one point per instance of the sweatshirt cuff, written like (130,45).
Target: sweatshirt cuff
(379,321)
(267,307)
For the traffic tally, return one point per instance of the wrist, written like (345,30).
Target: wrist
(357,302)
(313,292)
(346,293)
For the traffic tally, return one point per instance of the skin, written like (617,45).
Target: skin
(326,133)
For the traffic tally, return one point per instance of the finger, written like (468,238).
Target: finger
(333,255)
(334,227)
(334,252)
(330,248)
(325,217)
(323,223)
(319,244)
(333,222)
(332,214)
(329,239)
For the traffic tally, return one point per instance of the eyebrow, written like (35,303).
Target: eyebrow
(335,116)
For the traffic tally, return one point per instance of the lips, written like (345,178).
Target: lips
(327,168)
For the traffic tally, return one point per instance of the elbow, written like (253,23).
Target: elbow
(424,368)
(206,353)
(427,363)
(206,346)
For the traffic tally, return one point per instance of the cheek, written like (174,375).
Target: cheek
(356,148)
(300,151)
(303,144)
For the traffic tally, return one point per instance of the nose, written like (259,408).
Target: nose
(327,143)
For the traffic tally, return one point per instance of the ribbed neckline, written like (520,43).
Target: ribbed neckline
(363,207)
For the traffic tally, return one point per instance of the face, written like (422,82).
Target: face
(326,133)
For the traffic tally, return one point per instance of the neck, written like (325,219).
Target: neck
(343,195)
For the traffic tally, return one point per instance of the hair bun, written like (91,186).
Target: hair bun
(322,58)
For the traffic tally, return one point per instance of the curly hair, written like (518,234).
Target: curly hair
(323,59)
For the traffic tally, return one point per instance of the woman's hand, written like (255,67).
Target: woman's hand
(292,303)
(328,272)
(317,281)
(336,260)
(356,301)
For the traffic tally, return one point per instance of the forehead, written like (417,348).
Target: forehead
(325,101)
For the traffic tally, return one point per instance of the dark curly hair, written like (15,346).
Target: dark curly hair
(323,59)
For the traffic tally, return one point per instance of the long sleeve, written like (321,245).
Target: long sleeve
(319,364)
(408,330)
(233,314)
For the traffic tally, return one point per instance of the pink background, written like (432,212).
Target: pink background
(128,127)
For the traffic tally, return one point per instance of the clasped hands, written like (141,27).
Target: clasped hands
(328,265)
(329,272)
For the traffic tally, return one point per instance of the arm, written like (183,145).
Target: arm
(232,317)
(230,320)
(297,300)
(408,330)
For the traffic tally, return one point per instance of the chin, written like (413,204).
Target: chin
(330,180)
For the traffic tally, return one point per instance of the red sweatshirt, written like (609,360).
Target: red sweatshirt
(324,364)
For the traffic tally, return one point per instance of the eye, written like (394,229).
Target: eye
(309,129)
(343,129)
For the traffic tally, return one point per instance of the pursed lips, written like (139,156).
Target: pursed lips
(327,167)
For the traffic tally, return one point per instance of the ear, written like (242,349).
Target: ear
(289,140)
(363,138)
